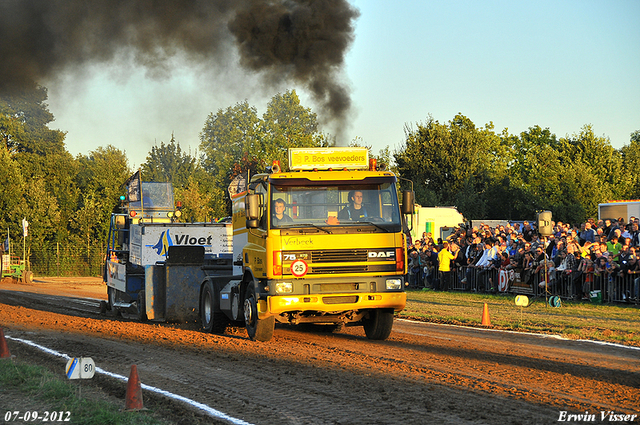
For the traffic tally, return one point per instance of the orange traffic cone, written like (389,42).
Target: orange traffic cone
(4,349)
(133,398)
(486,321)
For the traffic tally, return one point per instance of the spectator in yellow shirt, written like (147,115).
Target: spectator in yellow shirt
(445,256)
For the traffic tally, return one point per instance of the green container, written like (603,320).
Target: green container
(596,297)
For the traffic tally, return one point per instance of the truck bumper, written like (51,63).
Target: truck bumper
(335,302)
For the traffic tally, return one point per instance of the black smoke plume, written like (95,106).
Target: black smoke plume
(301,40)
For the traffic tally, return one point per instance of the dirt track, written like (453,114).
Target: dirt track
(424,373)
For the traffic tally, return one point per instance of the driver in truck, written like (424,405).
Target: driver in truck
(280,217)
(355,211)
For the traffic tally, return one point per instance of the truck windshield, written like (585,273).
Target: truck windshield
(370,201)
(156,196)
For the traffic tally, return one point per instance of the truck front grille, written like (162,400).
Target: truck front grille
(339,261)
(339,256)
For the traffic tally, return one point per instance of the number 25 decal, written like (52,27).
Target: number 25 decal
(299,268)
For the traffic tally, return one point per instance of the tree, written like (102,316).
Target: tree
(444,159)
(596,165)
(87,226)
(100,179)
(168,163)
(12,201)
(235,141)
(288,124)
(604,162)
(197,202)
(534,172)
(44,162)
(23,123)
(230,142)
(43,213)
(631,164)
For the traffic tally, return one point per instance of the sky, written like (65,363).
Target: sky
(557,64)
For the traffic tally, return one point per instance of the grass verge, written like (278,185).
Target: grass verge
(575,320)
(31,388)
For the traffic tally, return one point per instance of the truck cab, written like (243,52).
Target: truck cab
(322,243)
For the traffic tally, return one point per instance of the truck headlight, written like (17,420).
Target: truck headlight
(394,284)
(284,287)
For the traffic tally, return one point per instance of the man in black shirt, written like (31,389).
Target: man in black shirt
(355,211)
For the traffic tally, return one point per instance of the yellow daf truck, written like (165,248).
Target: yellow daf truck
(321,243)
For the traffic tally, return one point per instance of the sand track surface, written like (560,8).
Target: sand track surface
(424,373)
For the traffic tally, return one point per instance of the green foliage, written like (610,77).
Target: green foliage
(65,199)
(168,163)
(631,164)
(450,159)
(198,201)
(490,176)
(287,124)
(68,200)
(236,141)
(99,181)
(43,213)
(230,144)
(24,123)
(12,202)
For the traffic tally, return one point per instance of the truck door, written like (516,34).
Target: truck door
(255,250)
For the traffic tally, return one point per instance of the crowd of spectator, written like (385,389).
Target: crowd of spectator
(573,256)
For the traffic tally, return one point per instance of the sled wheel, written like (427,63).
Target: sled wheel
(142,306)
(27,277)
(111,295)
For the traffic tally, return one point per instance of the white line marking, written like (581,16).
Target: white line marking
(209,410)
(559,337)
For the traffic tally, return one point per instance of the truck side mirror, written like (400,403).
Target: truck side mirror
(408,201)
(252,209)
(120,222)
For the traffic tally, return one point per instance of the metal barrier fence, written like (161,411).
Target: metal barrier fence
(591,286)
(67,261)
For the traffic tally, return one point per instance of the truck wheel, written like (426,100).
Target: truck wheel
(258,329)
(212,321)
(379,323)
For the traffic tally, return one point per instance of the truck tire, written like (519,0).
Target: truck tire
(379,323)
(258,329)
(212,321)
